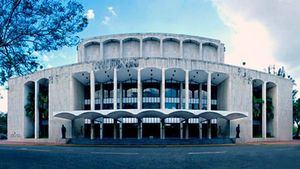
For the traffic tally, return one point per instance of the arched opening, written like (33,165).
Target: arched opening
(125,124)
(151,88)
(219,91)
(173,127)
(151,123)
(198,90)
(92,51)
(257,103)
(127,88)
(29,112)
(111,48)
(174,88)
(177,124)
(171,48)
(43,107)
(210,52)
(81,90)
(271,108)
(131,48)
(191,49)
(104,89)
(151,47)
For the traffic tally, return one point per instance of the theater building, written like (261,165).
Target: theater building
(150,86)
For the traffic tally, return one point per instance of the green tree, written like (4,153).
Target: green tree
(3,123)
(296,112)
(29,26)
(257,107)
(29,107)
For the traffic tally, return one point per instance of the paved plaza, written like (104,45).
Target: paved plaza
(229,156)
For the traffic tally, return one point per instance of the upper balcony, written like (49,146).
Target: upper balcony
(151,45)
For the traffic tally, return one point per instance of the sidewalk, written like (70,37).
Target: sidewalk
(34,143)
(293,142)
(31,142)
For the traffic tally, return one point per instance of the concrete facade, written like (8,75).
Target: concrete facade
(81,91)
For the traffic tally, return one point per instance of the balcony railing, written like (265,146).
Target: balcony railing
(151,99)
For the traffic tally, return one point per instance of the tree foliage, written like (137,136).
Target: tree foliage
(43,104)
(257,107)
(296,113)
(29,26)
(3,122)
(29,107)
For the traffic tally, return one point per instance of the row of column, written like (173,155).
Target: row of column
(181,51)
(140,129)
(139,86)
(264,110)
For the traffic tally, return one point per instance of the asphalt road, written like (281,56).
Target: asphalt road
(237,156)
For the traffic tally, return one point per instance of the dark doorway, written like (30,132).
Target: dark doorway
(172,130)
(108,130)
(193,130)
(130,130)
(151,130)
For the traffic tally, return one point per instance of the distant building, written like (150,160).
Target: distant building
(150,85)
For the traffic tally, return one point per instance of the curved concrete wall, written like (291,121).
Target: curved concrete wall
(151,45)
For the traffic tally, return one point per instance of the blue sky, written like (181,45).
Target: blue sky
(258,32)
(195,17)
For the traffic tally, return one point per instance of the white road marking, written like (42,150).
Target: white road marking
(207,152)
(114,153)
(38,150)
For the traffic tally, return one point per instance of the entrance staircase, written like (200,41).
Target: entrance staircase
(134,141)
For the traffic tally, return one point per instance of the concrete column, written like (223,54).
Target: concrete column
(228,129)
(187,89)
(121,48)
(141,48)
(141,130)
(92,89)
(160,130)
(115,129)
(140,134)
(92,130)
(264,110)
(200,128)
(181,49)
(101,96)
(121,129)
(181,129)
(121,96)
(101,50)
(163,82)
(200,96)
(139,88)
(219,53)
(209,91)
(187,129)
(36,111)
(101,129)
(181,97)
(200,51)
(115,89)
(161,48)
(209,129)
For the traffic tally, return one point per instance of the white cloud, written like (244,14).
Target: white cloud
(45,58)
(90,14)
(106,20)
(112,11)
(250,40)
(263,32)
